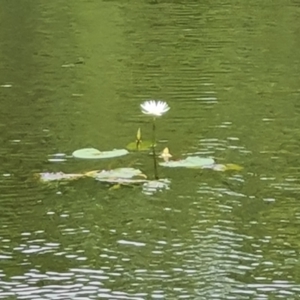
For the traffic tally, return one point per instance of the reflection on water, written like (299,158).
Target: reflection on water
(73,76)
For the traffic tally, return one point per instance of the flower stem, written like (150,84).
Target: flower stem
(153,150)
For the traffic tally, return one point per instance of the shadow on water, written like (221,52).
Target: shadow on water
(73,76)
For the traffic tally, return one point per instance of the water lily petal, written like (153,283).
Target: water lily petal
(154,108)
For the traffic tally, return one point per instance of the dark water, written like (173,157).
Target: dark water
(73,74)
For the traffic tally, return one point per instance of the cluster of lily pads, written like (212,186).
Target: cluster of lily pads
(131,176)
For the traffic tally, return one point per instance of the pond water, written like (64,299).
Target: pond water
(73,74)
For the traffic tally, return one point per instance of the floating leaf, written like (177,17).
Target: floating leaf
(92,173)
(92,153)
(216,167)
(223,168)
(117,177)
(233,167)
(141,146)
(123,181)
(226,167)
(121,176)
(115,187)
(189,162)
(120,172)
(48,176)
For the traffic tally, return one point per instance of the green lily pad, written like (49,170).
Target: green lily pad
(92,153)
(223,168)
(121,176)
(144,145)
(189,162)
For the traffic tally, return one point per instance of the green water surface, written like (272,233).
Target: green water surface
(73,75)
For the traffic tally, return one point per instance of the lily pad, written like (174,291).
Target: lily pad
(142,146)
(117,178)
(121,176)
(189,162)
(92,153)
(48,176)
(123,181)
(233,167)
(223,168)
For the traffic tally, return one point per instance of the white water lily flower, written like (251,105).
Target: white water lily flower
(154,108)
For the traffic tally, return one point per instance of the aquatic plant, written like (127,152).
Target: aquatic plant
(130,176)
(154,109)
(92,153)
(139,144)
